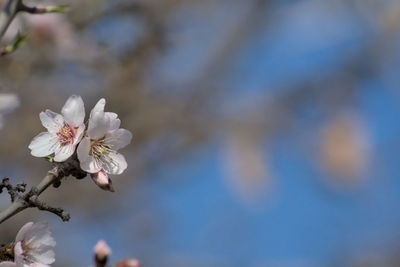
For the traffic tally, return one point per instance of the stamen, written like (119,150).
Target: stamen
(66,135)
(100,150)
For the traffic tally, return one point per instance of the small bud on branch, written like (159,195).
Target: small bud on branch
(101,253)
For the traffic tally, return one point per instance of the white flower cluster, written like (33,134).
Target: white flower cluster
(33,247)
(97,145)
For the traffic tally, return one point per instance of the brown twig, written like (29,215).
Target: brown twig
(13,191)
(30,199)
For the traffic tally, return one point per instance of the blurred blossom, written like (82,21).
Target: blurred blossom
(345,148)
(247,170)
(33,246)
(128,263)
(101,253)
(7,264)
(8,102)
(44,30)
(52,29)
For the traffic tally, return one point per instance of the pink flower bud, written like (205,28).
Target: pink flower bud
(101,253)
(102,180)
(128,263)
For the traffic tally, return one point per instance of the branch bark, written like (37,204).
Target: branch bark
(30,198)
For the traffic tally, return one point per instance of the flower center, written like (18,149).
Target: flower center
(99,148)
(102,152)
(26,252)
(66,135)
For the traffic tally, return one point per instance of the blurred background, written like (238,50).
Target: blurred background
(265,133)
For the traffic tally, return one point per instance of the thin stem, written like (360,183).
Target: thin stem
(22,203)
(8,14)
(16,207)
(30,198)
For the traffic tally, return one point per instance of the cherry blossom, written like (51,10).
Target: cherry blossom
(98,149)
(33,247)
(63,131)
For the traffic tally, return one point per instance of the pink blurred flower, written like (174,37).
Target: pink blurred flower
(128,263)
(101,252)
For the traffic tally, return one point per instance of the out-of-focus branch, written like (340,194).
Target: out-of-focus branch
(30,199)
(7,15)
(44,10)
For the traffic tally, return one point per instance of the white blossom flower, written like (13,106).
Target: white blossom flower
(8,102)
(98,150)
(63,131)
(33,247)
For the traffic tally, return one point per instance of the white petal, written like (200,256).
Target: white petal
(43,241)
(44,257)
(79,134)
(118,139)
(51,121)
(18,253)
(8,264)
(87,162)
(62,153)
(43,144)
(83,149)
(99,106)
(23,231)
(115,163)
(114,121)
(99,124)
(39,234)
(74,111)
(36,264)
(90,165)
